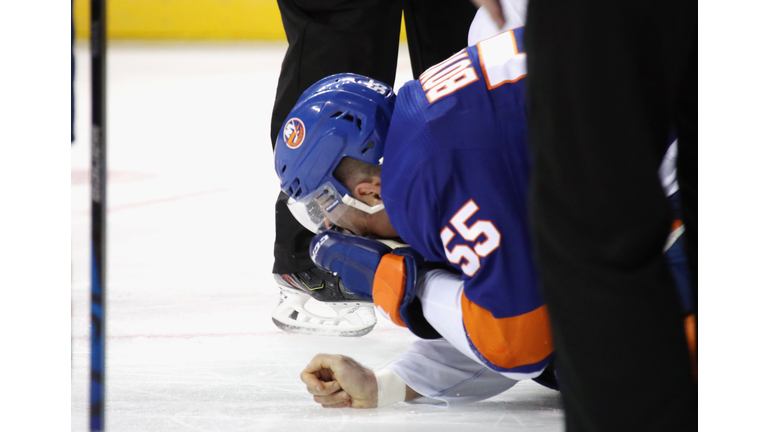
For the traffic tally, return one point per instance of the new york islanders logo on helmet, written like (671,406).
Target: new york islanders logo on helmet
(293,133)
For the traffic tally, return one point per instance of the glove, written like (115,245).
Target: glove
(374,271)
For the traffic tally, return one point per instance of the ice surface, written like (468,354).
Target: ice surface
(191,346)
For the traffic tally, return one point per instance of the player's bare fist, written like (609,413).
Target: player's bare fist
(337,381)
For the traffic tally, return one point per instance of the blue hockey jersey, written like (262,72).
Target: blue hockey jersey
(455,182)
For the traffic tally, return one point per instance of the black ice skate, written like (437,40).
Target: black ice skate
(317,289)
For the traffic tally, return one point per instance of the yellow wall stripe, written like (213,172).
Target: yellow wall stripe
(186,19)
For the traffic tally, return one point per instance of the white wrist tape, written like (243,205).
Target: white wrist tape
(391,387)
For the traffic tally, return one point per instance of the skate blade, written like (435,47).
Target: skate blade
(329,331)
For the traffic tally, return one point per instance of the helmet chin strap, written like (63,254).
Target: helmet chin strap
(356,203)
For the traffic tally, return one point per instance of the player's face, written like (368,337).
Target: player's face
(375,225)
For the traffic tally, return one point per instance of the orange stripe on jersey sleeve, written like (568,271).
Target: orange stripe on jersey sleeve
(389,286)
(690,334)
(677,223)
(508,342)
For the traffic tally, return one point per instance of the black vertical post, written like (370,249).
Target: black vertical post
(98,211)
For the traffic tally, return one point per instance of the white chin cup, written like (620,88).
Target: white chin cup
(356,203)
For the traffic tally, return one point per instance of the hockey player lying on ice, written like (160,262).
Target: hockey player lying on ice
(445,169)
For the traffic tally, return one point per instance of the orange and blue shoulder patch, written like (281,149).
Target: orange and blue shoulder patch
(294,133)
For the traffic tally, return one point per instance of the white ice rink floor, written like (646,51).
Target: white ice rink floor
(190,342)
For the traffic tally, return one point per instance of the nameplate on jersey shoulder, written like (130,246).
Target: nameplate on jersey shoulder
(293,133)
(502,59)
(445,78)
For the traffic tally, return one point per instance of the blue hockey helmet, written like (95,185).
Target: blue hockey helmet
(341,115)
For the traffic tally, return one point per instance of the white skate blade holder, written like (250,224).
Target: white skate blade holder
(298,312)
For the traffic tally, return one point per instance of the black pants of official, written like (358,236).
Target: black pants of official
(326,37)
(608,82)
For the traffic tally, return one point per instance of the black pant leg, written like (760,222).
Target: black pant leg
(334,36)
(436,30)
(327,37)
(602,89)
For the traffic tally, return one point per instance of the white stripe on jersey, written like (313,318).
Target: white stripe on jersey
(668,170)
